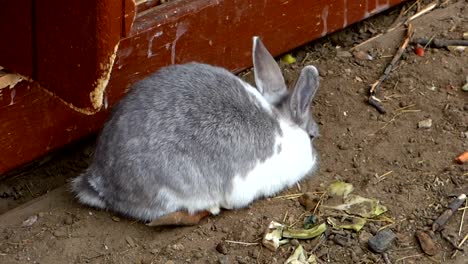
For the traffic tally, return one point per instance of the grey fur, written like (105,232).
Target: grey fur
(186,131)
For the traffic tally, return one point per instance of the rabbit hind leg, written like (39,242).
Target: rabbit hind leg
(179,218)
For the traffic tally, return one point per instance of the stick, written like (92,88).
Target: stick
(460,245)
(376,85)
(386,258)
(422,12)
(451,242)
(440,43)
(462,218)
(241,243)
(440,222)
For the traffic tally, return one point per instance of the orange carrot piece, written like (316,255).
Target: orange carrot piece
(462,158)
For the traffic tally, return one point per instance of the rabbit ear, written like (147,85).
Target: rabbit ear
(268,78)
(304,92)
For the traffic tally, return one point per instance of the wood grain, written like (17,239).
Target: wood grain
(34,122)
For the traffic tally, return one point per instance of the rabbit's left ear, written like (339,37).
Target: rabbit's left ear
(304,92)
(268,78)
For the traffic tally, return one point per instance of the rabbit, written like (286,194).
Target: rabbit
(194,137)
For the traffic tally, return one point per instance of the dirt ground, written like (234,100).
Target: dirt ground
(357,145)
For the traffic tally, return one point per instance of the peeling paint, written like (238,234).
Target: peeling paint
(12,96)
(96,96)
(150,43)
(345,13)
(181,29)
(325,21)
(10,80)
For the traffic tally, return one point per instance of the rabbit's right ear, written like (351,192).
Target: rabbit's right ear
(268,78)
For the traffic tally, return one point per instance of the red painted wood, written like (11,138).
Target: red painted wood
(75,44)
(220,32)
(32,122)
(16,46)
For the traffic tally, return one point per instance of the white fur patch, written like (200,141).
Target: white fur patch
(282,170)
(253,91)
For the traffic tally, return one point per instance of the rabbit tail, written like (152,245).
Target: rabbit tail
(85,192)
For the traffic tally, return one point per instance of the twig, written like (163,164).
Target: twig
(386,258)
(376,85)
(407,257)
(460,245)
(382,177)
(321,239)
(440,43)
(451,242)
(394,118)
(463,218)
(453,206)
(289,196)
(422,12)
(241,243)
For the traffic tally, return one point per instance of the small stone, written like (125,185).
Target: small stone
(115,219)
(60,233)
(364,237)
(382,241)
(68,220)
(41,214)
(343,54)
(198,255)
(30,221)
(362,55)
(465,134)
(425,124)
(130,241)
(225,230)
(347,71)
(294,242)
(427,243)
(178,247)
(242,260)
(223,259)
(309,201)
(221,248)
(341,240)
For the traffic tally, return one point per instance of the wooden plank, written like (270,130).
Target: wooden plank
(220,32)
(76,46)
(16,46)
(34,122)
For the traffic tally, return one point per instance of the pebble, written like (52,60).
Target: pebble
(223,259)
(68,220)
(294,242)
(130,241)
(243,260)
(198,255)
(60,233)
(362,55)
(221,248)
(343,54)
(382,241)
(341,240)
(115,219)
(427,243)
(30,221)
(364,237)
(425,124)
(178,247)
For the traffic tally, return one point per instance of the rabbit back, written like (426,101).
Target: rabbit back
(178,140)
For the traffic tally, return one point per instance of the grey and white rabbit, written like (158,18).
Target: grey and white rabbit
(195,137)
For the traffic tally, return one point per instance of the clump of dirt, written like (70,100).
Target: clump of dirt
(405,164)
